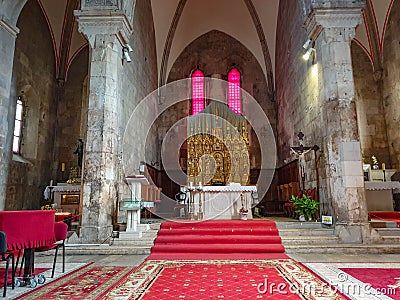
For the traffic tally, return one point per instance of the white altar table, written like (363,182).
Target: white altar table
(379,195)
(222,202)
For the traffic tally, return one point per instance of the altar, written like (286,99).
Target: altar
(220,202)
(379,188)
(379,195)
(66,197)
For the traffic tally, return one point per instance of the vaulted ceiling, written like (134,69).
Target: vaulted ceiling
(179,22)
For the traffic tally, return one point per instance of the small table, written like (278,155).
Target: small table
(65,217)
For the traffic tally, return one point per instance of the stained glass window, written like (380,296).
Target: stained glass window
(197,91)
(234,95)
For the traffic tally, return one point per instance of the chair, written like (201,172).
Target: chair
(60,232)
(5,256)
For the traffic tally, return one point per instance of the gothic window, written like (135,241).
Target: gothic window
(234,95)
(197,91)
(18,122)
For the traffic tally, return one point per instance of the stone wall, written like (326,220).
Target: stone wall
(371,124)
(139,79)
(297,86)
(33,73)
(391,83)
(71,115)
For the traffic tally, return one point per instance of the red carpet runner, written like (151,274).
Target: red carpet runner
(218,239)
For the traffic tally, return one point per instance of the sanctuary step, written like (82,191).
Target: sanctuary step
(383,224)
(298,237)
(218,239)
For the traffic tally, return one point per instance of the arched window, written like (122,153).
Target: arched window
(197,91)
(234,96)
(19,113)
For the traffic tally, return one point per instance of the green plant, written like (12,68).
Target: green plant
(305,206)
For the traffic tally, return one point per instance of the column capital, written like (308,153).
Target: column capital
(103,22)
(333,15)
(11,29)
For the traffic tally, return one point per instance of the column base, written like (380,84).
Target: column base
(94,234)
(356,233)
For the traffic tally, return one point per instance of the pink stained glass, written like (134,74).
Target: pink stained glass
(197,91)
(234,95)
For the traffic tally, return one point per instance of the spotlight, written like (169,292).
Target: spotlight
(307,44)
(307,55)
(128,47)
(126,56)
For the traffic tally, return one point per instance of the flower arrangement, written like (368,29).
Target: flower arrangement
(48,207)
(243,210)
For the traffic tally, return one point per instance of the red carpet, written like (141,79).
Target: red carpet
(87,282)
(218,239)
(387,281)
(385,216)
(282,279)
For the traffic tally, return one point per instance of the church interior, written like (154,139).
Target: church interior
(170,130)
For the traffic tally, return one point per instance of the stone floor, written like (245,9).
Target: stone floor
(321,263)
(134,260)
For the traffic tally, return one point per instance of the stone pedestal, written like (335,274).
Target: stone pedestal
(8,34)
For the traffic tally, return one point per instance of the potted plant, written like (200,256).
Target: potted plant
(305,206)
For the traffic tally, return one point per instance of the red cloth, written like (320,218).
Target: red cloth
(28,228)
(385,216)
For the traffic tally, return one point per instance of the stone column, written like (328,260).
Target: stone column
(8,34)
(332,25)
(107,31)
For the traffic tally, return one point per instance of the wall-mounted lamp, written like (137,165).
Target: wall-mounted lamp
(310,52)
(307,44)
(125,52)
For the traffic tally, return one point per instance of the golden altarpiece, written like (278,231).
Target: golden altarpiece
(217,147)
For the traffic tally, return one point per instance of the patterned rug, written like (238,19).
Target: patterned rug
(237,279)
(361,281)
(88,282)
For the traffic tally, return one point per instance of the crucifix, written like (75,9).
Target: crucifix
(301,151)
